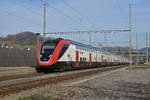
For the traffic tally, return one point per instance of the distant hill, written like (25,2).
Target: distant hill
(21,39)
(116,48)
(125,50)
(144,50)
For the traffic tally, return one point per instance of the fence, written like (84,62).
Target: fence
(15,57)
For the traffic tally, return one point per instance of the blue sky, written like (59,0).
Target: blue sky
(26,15)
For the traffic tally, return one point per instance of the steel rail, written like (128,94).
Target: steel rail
(22,86)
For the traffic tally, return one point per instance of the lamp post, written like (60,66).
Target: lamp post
(38,43)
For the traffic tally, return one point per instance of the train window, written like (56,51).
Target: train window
(80,59)
(48,48)
(68,55)
(83,59)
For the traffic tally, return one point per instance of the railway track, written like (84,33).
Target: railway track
(21,86)
(19,76)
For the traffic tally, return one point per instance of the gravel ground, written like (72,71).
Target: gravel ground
(6,71)
(19,71)
(9,69)
(119,85)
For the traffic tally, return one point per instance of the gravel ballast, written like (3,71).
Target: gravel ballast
(7,71)
(120,85)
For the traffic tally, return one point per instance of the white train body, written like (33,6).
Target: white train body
(60,52)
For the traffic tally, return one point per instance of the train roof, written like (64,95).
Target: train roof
(88,46)
(92,47)
(81,45)
(53,40)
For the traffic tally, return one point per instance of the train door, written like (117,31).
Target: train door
(90,59)
(102,60)
(77,59)
(71,54)
(108,60)
(96,56)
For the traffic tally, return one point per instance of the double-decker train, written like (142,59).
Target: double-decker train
(67,54)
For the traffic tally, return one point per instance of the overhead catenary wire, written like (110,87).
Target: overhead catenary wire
(75,10)
(91,31)
(49,5)
(45,5)
(123,15)
(61,26)
(25,7)
(31,10)
(37,13)
(62,13)
(121,10)
(20,17)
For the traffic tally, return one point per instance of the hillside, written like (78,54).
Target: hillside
(23,38)
(20,40)
(125,50)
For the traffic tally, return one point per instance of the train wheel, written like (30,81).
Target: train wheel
(70,68)
(62,69)
(38,70)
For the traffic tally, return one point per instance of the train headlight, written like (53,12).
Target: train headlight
(50,56)
(40,56)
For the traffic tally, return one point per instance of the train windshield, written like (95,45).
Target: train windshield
(48,48)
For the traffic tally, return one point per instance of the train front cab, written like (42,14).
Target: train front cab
(49,54)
